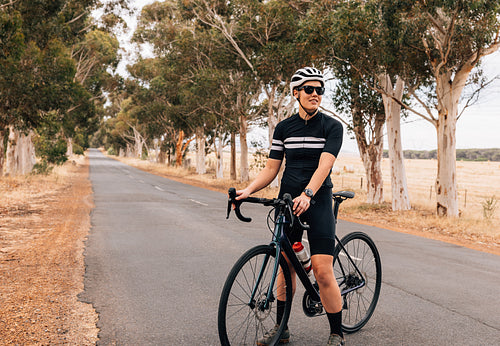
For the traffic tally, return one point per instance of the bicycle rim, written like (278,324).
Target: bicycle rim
(360,303)
(239,322)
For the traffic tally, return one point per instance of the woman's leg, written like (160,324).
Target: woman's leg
(330,295)
(328,288)
(281,289)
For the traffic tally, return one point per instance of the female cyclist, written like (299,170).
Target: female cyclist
(310,141)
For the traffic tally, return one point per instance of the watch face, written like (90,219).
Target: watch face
(308,192)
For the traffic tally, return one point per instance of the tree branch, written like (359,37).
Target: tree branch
(216,19)
(76,18)
(335,115)
(12,2)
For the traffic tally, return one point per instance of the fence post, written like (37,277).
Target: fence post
(361,183)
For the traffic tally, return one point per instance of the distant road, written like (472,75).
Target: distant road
(159,251)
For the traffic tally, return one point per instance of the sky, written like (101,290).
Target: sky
(478,127)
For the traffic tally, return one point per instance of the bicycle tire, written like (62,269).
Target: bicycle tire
(359,304)
(241,323)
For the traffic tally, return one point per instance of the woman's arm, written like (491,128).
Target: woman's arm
(264,178)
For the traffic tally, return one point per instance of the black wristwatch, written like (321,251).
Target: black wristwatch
(309,193)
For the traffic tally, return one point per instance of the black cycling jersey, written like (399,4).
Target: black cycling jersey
(302,143)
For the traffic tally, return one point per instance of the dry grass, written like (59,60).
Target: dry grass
(477,181)
(44,220)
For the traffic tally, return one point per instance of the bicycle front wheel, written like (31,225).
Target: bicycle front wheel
(357,262)
(243,320)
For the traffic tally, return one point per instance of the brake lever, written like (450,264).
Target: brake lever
(233,202)
(289,201)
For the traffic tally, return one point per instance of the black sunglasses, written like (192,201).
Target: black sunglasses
(309,89)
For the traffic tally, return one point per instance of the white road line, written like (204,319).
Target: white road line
(192,200)
(159,188)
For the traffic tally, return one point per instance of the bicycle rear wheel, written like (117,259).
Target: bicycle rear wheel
(241,321)
(359,303)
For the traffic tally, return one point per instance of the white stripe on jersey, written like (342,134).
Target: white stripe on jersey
(305,145)
(277,147)
(304,139)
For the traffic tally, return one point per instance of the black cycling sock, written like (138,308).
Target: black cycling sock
(280,310)
(335,321)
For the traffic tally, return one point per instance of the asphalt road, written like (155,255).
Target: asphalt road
(159,251)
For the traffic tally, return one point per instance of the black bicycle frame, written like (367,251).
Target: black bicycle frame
(282,245)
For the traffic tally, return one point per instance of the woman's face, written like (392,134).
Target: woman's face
(310,102)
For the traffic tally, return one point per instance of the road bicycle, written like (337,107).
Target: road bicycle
(248,299)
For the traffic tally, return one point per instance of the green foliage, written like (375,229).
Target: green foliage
(51,150)
(111,151)
(50,146)
(53,59)
(78,150)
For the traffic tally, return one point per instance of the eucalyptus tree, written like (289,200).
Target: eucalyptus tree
(431,46)
(451,37)
(363,51)
(262,35)
(206,85)
(39,74)
(161,78)
(94,56)
(365,109)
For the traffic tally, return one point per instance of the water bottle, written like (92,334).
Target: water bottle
(304,258)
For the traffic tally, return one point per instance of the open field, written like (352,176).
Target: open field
(477,182)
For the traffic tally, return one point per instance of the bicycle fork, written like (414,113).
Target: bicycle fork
(269,298)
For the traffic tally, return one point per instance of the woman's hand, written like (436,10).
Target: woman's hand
(301,204)
(242,194)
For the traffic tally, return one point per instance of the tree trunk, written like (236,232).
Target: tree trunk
(129,151)
(371,154)
(372,157)
(178,149)
(20,157)
(200,151)
(161,156)
(448,94)
(219,170)
(69,145)
(273,118)
(138,143)
(233,156)
(400,197)
(2,151)
(244,149)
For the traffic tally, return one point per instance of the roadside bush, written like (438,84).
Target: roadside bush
(42,168)
(51,150)
(77,149)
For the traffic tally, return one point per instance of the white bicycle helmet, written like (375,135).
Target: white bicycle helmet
(304,75)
